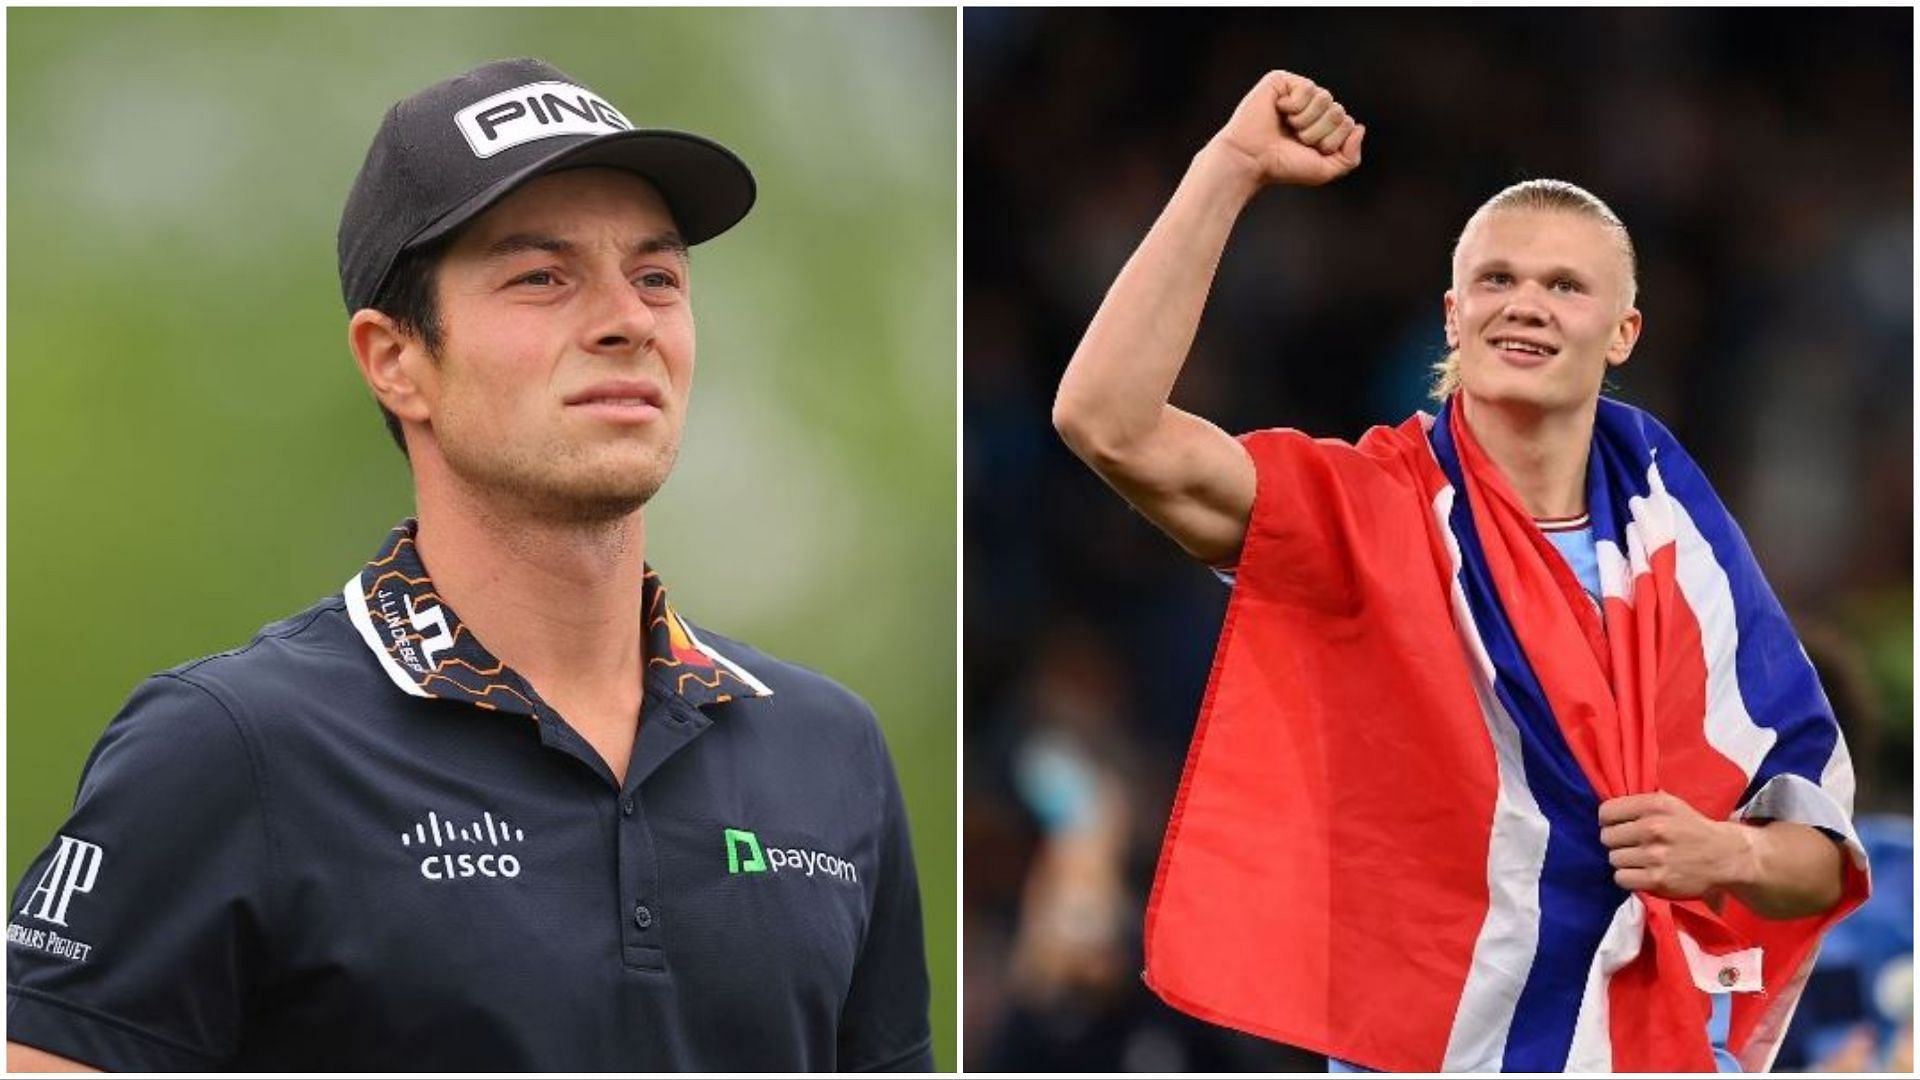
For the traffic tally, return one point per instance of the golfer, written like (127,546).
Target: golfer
(496,804)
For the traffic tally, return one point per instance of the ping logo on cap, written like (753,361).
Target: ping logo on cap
(535,111)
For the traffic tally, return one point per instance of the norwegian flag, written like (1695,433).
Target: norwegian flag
(1386,843)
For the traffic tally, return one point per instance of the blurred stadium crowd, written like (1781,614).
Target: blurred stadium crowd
(1762,160)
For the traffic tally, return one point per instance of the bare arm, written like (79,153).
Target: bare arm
(1187,476)
(24,1058)
(1778,869)
(1794,871)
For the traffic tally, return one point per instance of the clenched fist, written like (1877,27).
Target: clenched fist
(1289,131)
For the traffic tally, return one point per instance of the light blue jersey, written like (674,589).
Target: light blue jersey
(1573,539)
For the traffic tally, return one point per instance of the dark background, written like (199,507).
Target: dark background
(1762,161)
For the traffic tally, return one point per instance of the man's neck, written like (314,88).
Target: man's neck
(1542,454)
(560,603)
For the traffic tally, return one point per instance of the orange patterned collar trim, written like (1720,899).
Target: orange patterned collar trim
(428,652)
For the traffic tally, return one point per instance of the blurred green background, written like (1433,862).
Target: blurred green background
(191,453)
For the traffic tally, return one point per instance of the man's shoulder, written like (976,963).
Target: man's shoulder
(797,692)
(206,716)
(1394,445)
(314,651)
(1305,477)
(807,735)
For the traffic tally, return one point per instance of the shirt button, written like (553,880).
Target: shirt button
(642,916)
(626,807)
(1729,976)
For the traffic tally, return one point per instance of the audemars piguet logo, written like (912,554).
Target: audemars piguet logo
(75,867)
(72,872)
(474,848)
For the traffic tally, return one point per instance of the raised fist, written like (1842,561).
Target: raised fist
(1289,131)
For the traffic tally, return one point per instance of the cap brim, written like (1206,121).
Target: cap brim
(706,187)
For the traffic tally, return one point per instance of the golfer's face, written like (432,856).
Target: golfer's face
(569,352)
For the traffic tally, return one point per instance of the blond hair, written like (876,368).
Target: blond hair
(1538,195)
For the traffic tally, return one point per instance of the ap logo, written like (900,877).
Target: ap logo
(74,869)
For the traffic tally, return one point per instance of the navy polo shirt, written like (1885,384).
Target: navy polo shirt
(363,843)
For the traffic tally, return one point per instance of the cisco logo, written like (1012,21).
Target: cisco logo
(488,834)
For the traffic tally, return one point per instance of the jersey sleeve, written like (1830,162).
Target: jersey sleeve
(884,1023)
(135,935)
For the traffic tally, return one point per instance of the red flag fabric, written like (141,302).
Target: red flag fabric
(1385,846)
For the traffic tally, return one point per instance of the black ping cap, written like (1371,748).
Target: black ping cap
(454,149)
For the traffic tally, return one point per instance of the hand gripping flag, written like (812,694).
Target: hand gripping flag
(1386,843)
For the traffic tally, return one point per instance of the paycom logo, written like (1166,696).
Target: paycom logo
(746,856)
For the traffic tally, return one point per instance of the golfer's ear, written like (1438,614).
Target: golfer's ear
(393,362)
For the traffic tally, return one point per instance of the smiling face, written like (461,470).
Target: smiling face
(562,382)
(1541,307)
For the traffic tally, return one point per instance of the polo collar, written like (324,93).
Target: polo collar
(428,652)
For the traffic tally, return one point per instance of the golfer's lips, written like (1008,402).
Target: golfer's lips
(620,399)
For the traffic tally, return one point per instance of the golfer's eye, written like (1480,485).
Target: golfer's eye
(1496,277)
(537,277)
(658,279)
(1567,285)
